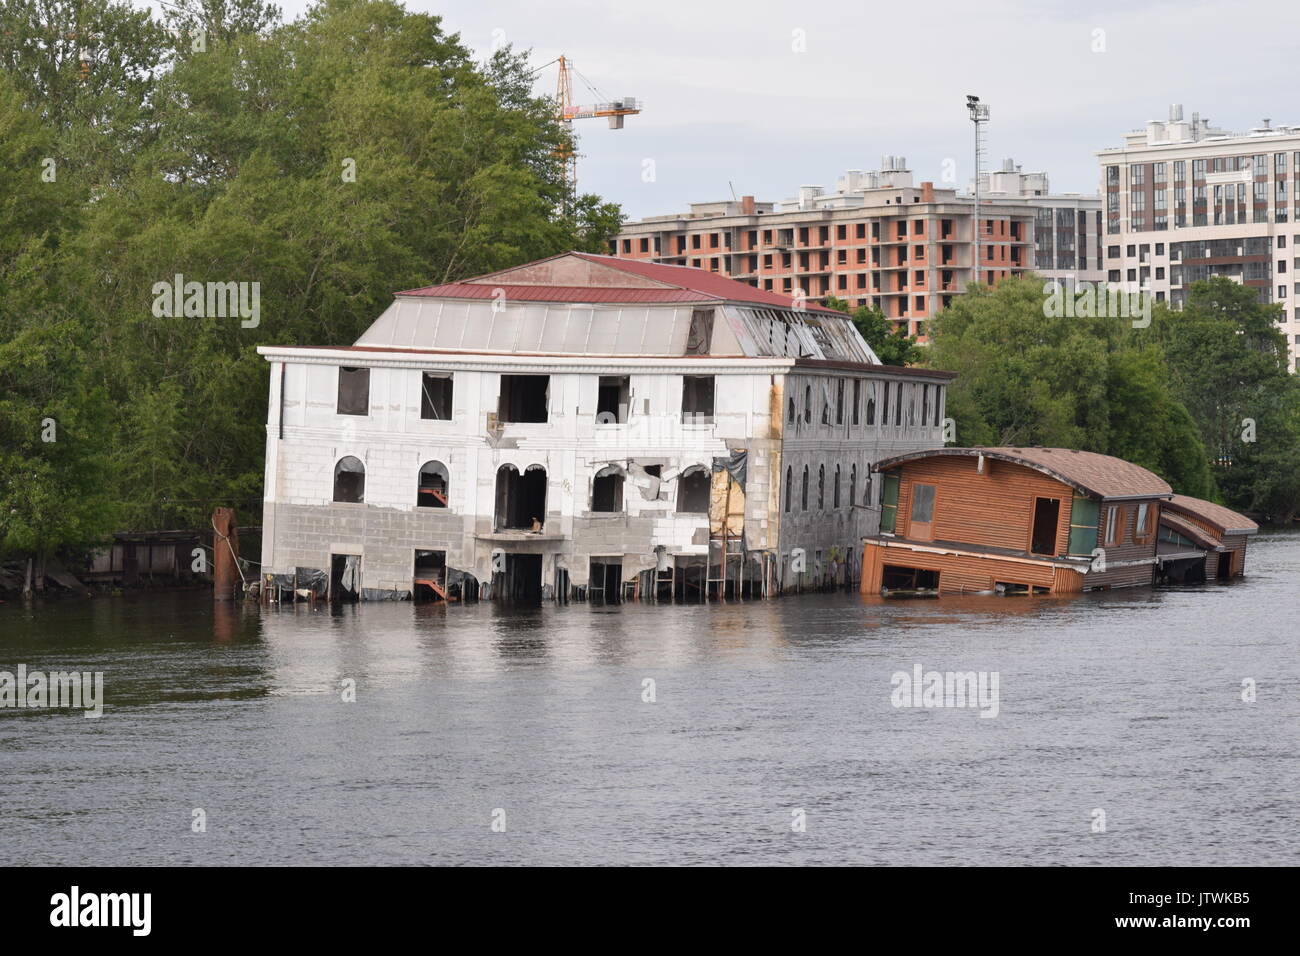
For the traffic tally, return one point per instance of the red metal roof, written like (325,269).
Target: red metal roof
(681,284)
(555,293)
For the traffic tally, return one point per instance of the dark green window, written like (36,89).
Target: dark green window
(889,503)
(1083,526)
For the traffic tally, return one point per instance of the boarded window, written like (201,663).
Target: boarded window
(524,398)
(354,391)
(697,399)
(889,504)
(613,398)
(349,480)
(871,403)
(1083,526)
(435,396)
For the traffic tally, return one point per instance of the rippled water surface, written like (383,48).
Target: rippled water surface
(1127,702)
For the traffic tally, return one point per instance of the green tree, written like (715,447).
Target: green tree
(1029,375)
(1228,364)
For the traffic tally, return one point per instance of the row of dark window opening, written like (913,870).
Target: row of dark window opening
(525,398)
(606,495)
(852,490)
(930,409)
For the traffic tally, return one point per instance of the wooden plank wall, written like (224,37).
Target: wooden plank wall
(995,508)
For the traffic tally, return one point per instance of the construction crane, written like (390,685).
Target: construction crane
(566,112)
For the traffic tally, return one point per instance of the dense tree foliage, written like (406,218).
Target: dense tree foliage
(1229,366)
(1026,377)
(331,160)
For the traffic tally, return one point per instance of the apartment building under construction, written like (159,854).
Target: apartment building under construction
(881,240)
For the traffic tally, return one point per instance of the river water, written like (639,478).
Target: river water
(480,734)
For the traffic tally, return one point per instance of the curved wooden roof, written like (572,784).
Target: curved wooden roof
(1099,476)
(1224,520)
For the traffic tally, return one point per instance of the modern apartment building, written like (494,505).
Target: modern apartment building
(881,240)
(1186,201)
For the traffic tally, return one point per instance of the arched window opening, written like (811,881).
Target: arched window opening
(521,498)
(349,481)
(607,490)
(693,491)
(432,490)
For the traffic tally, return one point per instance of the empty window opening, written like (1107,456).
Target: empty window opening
(693,491)
(895,578)
(697,399)
(350,481)
(432,491)
(607,490)
(1013,589)
(839,401)
(1225,566)
(435,396)
(701,332)
(613,399)
(807,405)
(821,487)
(429,577)
(524,398)
(521,498)
(803,490)
(835,498)
(354,391)
(1046,513)
(789,486)
(345,578)
(606,580)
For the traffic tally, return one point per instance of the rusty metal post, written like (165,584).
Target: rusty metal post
(225,551)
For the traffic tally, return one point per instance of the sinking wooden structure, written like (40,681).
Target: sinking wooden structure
(1013,521)
(1200,541)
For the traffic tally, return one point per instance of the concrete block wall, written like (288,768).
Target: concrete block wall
(307,437)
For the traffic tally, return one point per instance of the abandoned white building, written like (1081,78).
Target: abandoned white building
(586,425)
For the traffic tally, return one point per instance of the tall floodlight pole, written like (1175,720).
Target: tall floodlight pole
(979,113)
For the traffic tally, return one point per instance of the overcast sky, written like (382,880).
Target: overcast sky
(730,101)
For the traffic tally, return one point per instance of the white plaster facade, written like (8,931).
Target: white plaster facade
(303,526)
